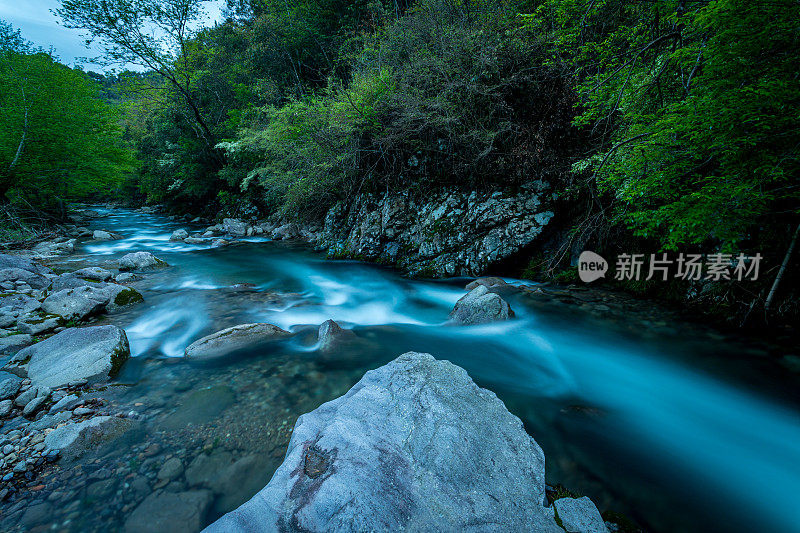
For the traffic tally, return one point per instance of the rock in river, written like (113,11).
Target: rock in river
(415,445)
(480,306)
(167,512)
(139,261)
(179,235)
(95,354)
(579,515)
(233,339)
(76,438)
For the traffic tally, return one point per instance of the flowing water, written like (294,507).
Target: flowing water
(677,426)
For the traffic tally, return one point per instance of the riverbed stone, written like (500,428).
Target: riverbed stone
(95,353)
(170,512)
(414,445)
(76,438)
(579,515)
(171,469)
(34,324)
(33,406)
(140,261)
(233,339)
(102,235)
(68,402)
(480,306)
(5,408)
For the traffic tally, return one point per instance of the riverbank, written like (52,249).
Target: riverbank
(595,380)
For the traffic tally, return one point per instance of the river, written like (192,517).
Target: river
(676,425)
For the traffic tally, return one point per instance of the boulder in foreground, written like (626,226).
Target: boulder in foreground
(480,306)
(232,339)
(414,446)
(94,354)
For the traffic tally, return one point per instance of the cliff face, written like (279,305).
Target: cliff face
(449,233)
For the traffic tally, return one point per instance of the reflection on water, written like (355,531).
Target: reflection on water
(664,427)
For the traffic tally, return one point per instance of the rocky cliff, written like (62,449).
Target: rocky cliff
(448,233)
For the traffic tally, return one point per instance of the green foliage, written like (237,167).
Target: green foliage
(693,107)
(58,138)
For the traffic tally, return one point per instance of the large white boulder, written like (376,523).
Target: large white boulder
(414,446)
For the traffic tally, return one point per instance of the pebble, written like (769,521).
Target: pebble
(7,449)
(20,467)
(80,411)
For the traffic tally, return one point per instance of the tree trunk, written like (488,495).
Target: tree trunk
(777,282)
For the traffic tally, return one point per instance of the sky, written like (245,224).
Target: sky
(34,18)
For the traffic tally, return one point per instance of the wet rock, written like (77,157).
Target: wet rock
(76,304)
(34,280)
(93,273)
(179,235)
(14,343)
(480,306)
(5,408)
(287,231)
(579,515)
(169,512)
(330,334)
(140,261)
(121,296)
(171,469)
(33,406)
(488,282)
(23,399)
(95,354)
(125,277)
(55,248)
(37,325)
(23,263)
(414,445)
(101,235)
(233,339)
(194,240)
(234,227)
(218,243)
(9,385)
(66,403)
(74,439)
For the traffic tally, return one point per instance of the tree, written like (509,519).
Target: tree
(58,138)
(154,34)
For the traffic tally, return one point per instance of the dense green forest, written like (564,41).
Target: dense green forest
(672,124)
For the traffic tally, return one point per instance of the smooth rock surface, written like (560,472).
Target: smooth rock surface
(414,446)
(480,306)
(9,385)
(93,273)
(233,339)
(77,303)
(95,354)
(330,334)
(179,235)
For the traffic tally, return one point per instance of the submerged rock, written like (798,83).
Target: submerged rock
(415,445)
(480,306)
(76,438)
(139,261)
(233,339)
(94,354)
(168,512)
(579,515)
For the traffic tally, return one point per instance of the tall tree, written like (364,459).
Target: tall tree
(154,34)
